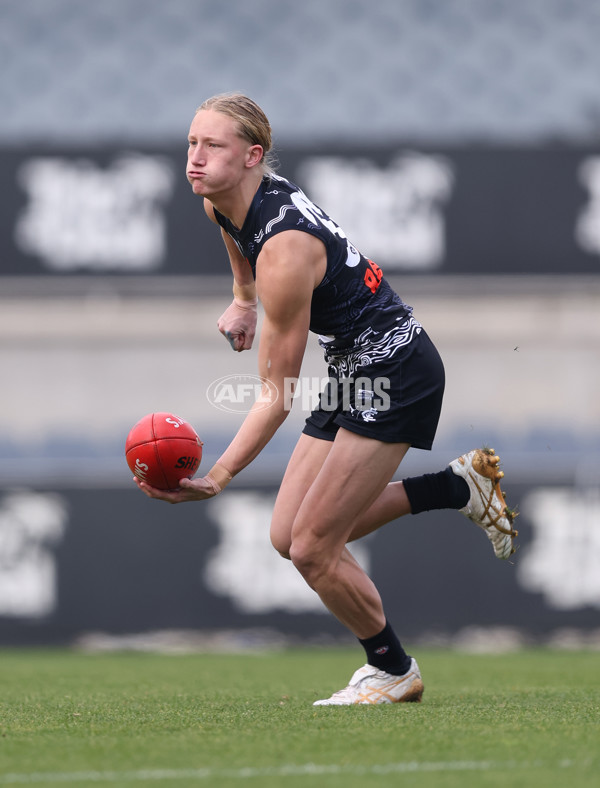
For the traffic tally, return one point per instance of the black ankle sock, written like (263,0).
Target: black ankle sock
(385,652)
(443,490)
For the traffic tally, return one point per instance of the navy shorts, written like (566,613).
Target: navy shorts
(388,386)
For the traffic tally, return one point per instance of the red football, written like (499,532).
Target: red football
(161,449)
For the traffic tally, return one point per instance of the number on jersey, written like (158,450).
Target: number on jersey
(373,276)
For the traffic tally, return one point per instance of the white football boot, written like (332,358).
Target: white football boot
(487,507)
(370,685)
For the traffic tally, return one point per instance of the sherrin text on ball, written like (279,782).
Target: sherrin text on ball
(161,449)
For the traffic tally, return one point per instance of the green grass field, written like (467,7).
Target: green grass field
(526,719)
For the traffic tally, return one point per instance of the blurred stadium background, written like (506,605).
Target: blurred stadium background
(457,143)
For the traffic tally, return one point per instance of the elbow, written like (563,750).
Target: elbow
(277,398)
(270,406)
(279,413)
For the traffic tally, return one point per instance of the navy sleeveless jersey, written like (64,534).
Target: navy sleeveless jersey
(353,294)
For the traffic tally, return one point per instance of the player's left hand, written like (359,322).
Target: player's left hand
(188,490)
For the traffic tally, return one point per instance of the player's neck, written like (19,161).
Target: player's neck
(236,204)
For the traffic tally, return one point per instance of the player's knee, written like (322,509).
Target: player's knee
(281,542)
(308,562)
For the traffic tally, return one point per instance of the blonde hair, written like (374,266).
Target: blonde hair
(253,124)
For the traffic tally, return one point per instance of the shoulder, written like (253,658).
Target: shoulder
(278,191)
(293,260)
(292,243)
(279,207)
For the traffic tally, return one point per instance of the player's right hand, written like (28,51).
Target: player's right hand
(238,324)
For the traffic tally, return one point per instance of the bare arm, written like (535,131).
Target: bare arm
(285,279)
(238,322)
(244,286)
(289,267)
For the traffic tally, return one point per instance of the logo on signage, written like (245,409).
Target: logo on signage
(30,525)
(79,216)
(245,567)
(587,229)
(394,214)
(562,560)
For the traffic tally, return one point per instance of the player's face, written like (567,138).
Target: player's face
(217,156)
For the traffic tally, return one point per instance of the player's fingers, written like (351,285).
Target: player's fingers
(236,340)
(247,344)
(196,489)
(153,492)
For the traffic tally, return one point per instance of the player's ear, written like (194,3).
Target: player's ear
(254,155)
